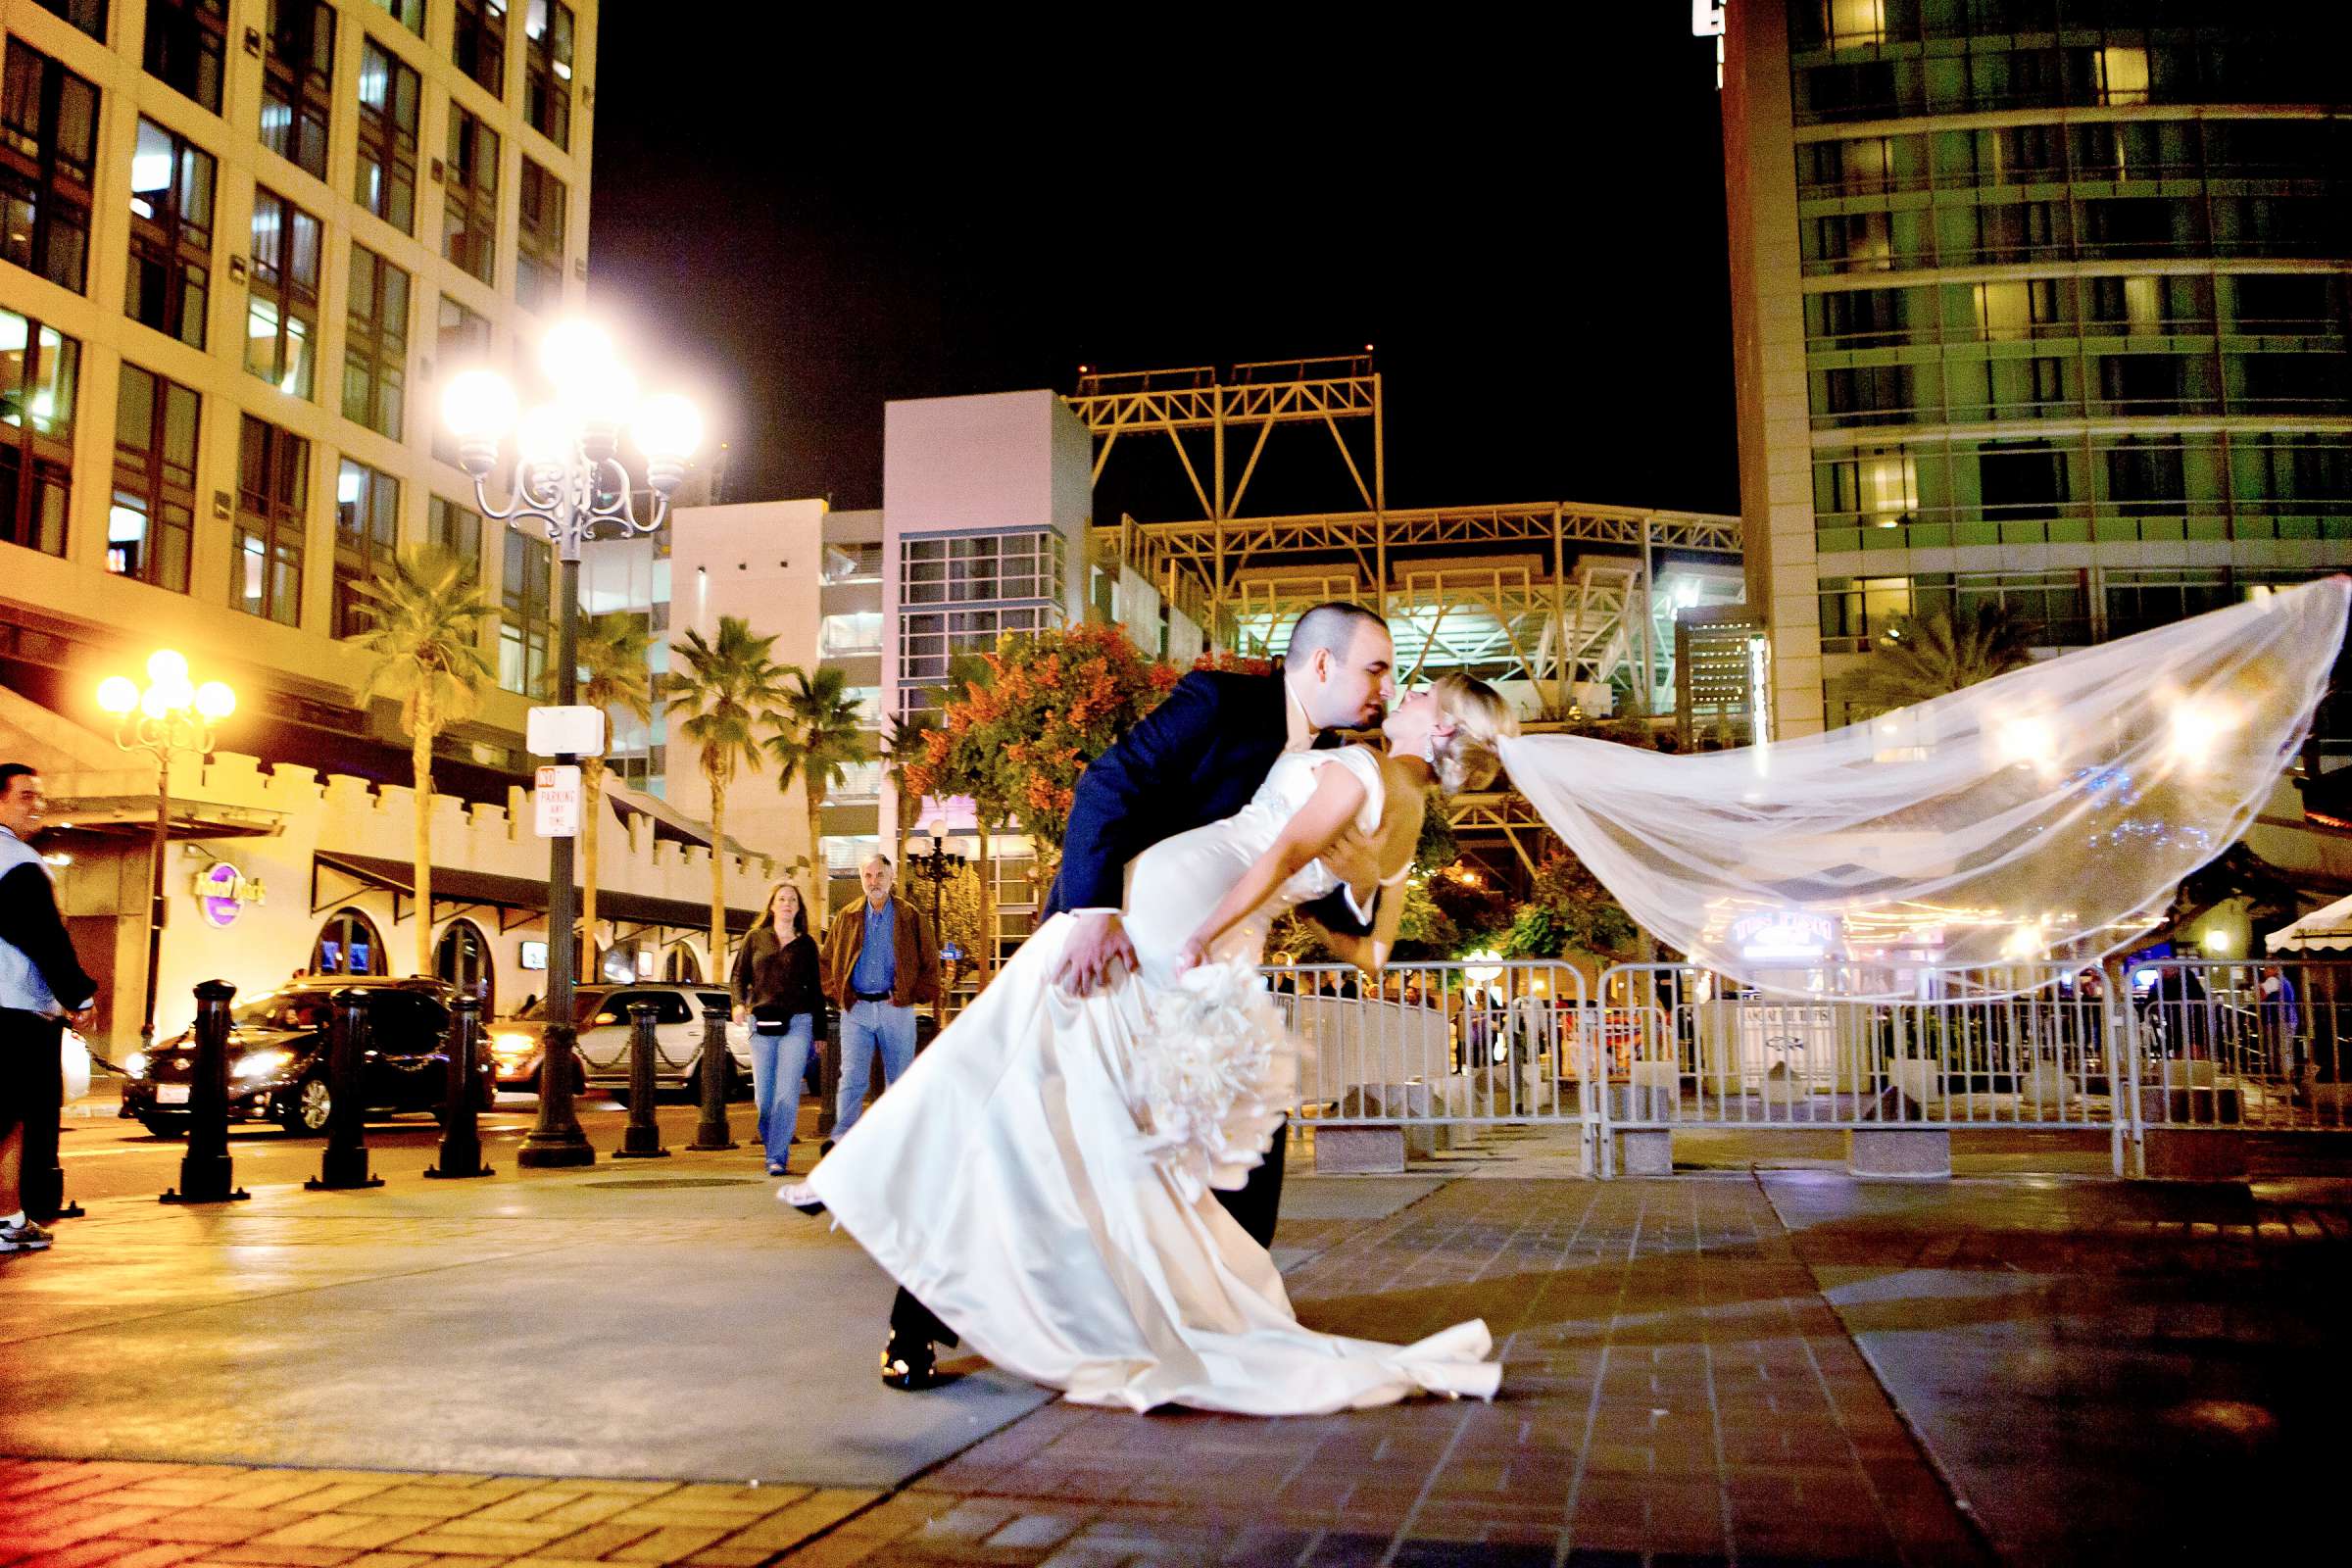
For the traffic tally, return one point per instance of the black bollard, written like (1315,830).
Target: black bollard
(642,1138)
(344,1163)
(827,1045)
(461,1121)
(205,1172)
(716,1068)
(43,1182)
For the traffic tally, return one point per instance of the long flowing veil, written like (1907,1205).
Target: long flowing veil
(2041,813)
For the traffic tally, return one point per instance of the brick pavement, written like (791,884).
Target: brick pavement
(1676,1390)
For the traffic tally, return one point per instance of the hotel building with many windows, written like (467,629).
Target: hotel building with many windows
(243,246)
(2042,302)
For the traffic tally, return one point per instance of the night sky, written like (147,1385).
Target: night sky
(1532,239)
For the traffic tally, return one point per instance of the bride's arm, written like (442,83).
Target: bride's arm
(1339,796)
(1400,834)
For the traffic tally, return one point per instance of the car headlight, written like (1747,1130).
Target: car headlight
(134,1065)
(513,1047)
(255,1066)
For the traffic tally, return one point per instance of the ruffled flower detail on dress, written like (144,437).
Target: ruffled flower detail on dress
(1213,1075)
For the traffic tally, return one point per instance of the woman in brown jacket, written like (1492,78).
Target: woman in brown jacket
(778,988)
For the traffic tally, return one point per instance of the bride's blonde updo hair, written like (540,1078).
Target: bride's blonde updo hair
(1467,759)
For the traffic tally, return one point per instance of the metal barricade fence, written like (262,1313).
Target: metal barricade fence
(2171,1045)
(1437,1047)
(2249,1046)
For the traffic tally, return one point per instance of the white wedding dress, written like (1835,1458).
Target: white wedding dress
(1040,1177)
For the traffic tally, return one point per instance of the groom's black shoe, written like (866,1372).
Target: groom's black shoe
(910,1365)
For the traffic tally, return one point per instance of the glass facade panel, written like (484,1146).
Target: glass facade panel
(185,45)
(48,152)
(469,196)
(298,81)
(375,344)
(151,520)
(526,623)
(169,282)
(281,305)
(367,533)
(40,370)
(391,96)
(273,496)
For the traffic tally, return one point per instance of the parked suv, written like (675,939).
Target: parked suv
(278,1057)
(602,1014)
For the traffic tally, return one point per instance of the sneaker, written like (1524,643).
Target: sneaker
(803,1197)
(24,1238)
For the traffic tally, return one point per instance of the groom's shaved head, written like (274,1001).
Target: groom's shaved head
(1333,627)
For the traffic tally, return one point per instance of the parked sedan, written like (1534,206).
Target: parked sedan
(278,1051)
(602,1017)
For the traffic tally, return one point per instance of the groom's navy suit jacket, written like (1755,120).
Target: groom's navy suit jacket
(1196,759)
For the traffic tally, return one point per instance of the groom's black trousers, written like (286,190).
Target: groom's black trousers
(1255,1209)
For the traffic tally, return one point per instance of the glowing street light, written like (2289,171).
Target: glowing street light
(166,718)
(568,479)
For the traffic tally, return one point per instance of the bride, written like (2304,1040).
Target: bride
(1042,1176)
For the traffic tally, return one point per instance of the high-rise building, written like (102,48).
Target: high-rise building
(242,249)
(2042,302)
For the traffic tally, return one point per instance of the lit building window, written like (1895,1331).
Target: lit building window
(539,240)
(152,517)
(2123,75)
(457,530)
(281,307)
(1857,21)
(525,626)
(981,569)
(48,145)
(375,344)
(40,369)
(845,852)
(366,532)
(274,493)
(854,632)
(460,342)
(410,14)
(390,95)
(477,42)
(469,196)
(298,79)
(170,276)
(547,69)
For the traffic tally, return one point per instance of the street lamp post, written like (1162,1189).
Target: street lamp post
(164,719)
(569,478)
(935,865)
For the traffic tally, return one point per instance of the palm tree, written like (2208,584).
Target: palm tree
(820,737)
(1923,657)
(903,739)
(427,640)
(612,674)
(729,692)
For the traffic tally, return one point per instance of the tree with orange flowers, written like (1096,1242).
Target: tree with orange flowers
(1020,729)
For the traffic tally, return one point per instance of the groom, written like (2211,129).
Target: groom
(1196,759)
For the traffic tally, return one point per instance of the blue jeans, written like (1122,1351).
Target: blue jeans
(865,1026)
(780,1062)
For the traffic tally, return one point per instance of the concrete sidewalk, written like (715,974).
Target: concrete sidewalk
(657,1363)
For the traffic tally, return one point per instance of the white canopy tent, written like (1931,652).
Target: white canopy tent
(2324,930)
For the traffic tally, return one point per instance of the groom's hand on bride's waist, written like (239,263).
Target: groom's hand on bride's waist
(1092,958)
(1355,859)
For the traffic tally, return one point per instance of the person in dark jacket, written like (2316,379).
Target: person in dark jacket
(42,989)
(779,991)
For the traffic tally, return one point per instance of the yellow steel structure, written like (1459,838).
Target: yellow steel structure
(1555,595)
